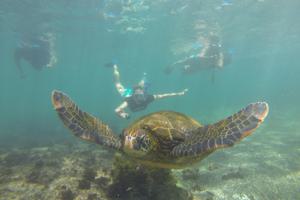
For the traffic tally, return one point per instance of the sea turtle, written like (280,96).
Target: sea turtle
(164,139)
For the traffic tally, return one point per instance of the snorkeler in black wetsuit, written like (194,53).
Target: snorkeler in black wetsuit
(211,57)
(139,100)
(136,98)
(36,51)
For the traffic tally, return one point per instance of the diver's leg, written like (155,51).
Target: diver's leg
(118,84)
(52,54)
(120,111)
(53,58)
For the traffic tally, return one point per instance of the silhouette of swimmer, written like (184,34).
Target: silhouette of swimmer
(211,57)
(35,51)
(136,98)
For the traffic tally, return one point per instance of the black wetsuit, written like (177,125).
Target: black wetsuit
(139,100)
(37,54)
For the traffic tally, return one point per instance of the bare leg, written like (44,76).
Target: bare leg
(118,84)
(121,110)
(51,39)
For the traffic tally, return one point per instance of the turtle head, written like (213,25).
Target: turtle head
(138,143)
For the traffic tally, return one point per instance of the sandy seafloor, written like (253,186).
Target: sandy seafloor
(262,167)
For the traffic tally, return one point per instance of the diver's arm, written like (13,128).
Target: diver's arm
(118,83)
(183,62)
(178,64)
(220,63)
(17,58)
(120,111)
(161,96)
(203,52)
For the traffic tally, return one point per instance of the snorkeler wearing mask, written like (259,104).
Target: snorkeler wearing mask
(212,56)
(136,98)
(36,50)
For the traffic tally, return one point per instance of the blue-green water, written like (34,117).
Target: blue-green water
(146,36)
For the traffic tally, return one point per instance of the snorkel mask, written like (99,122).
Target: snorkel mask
(127,92)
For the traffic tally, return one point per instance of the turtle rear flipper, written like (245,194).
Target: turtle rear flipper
(224,133)
(82,124)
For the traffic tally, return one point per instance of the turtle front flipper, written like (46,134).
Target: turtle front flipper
(82,124)
(224,133)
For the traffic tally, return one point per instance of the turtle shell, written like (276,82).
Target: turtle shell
(167,129)
(166,125)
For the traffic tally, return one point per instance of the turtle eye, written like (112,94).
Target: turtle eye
(57,95)
(146,127)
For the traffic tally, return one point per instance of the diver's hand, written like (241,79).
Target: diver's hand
(124,115)
(183,92)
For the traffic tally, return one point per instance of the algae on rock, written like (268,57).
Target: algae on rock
(131,181)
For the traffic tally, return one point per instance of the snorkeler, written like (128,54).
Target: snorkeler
(37,51)
(136,98)
(211,57)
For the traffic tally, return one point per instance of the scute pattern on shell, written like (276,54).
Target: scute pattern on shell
(169,128)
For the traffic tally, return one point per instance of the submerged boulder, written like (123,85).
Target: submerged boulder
(131,181)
